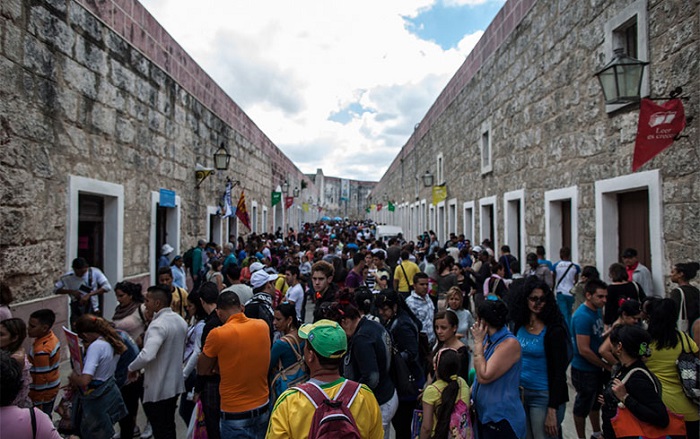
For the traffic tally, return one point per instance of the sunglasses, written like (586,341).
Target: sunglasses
(537,299)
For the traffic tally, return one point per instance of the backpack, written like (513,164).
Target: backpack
(332,418)
(460,424)
(291,375)
(187,257)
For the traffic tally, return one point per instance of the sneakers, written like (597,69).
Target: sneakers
(147,432)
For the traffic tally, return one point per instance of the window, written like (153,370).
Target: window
(440,177)
(469,221)
(561,221)
(514,224)
(485,146)
(628,30)
(487,221)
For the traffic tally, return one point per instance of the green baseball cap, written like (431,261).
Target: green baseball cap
(326,337)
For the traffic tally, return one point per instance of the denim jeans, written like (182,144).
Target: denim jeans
(535,404)
(565,304)
(388,410)
(251,428)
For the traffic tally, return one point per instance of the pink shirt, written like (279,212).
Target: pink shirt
(16,423)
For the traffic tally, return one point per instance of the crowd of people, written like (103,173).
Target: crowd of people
(434,340)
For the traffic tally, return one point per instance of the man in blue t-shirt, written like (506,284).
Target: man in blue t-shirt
(586,366)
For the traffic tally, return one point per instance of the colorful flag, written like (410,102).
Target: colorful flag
(305,207)
(242,212)
(391,207)
(373,206)
(276,197)
(367,209)
(379,207)
(657,128)
(226,205)
(288,201)
(439,194)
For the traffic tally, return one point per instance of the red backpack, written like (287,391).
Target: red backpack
(332,418)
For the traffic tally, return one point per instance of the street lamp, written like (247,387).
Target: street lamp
(621,79)
(427,179)
(295,192)
(285,187)
(221,158)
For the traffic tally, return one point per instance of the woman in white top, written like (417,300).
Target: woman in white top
(99,402)
(193,346)
(130,314)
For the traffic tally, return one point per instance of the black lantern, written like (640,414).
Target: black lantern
(621,79)
(427,179)
(221,158)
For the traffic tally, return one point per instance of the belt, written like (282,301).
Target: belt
(226,416)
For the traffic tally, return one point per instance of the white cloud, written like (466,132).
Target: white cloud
(291,65)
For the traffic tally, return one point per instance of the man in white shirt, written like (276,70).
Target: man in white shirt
(565,277)
(295,293)
(84,284)
(163,347)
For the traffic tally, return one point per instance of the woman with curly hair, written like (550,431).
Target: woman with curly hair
(99,403)
(440,397)
(541,331)
(686,294)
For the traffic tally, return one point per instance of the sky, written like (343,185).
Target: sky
(335,85)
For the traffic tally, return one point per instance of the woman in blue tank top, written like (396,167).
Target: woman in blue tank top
(539,327)
(500,413)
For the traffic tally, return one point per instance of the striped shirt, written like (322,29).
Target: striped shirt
(45,356)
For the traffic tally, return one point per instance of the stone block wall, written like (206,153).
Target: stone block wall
(101,90)
(531,76)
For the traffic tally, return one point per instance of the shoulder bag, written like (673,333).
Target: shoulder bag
(682,322)
(688,369)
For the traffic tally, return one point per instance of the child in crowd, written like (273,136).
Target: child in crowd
(45,357)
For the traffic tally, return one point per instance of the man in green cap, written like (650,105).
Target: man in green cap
(324,347)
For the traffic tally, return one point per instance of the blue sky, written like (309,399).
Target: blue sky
(448,24)
(338,86)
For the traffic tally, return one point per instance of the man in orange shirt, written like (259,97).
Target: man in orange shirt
(242,348)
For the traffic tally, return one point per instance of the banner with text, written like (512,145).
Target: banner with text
(344,189)
(276,197)
(288,201)
(657,129)
(439,194)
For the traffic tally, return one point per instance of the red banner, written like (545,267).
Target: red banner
(242,212)
(658,126)
(379,207)
(288,201)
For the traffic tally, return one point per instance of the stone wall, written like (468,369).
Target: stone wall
(101,90)
(531,78)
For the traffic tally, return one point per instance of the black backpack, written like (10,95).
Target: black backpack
(187,257)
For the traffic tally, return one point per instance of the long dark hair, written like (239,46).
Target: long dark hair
(520,312)
(662,323)
(448,364)
(390,298)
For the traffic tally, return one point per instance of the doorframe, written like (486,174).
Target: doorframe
(606,214)
(552,216)
(173,229)
(509,223)
(113,257)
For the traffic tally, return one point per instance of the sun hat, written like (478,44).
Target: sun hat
(260,278)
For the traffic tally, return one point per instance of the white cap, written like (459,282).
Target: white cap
(166,250)
(260,278)
(256,266)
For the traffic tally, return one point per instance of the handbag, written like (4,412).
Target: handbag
(416,423)
(197,428)
(682,322)
(404,380)
(688,370)
(626,424)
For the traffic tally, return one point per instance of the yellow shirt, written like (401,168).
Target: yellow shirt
(405,282)
(292,414)
(433,395)
(662,363)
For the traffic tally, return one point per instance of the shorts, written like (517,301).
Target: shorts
(588,386)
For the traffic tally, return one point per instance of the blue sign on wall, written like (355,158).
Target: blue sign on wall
(167,198)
